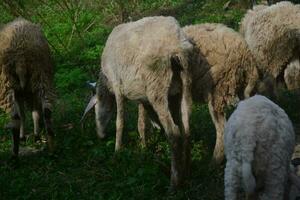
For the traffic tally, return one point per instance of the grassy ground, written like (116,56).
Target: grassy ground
(85,167)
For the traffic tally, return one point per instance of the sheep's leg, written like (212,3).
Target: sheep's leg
(36,111)
(16,134)
(160,105)
(180,112)
(15,125)
(219,122)
(119,121)
(231,180)
(143,124)
(186,107)
(151,120)
(48,125)
(274,183)
(36,124)
(22,118)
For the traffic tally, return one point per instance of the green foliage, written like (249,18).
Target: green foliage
(70,79)
(3,120)
(85,167)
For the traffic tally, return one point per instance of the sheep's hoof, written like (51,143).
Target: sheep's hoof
(118,149)
(216,161)
(23,138)
(172,190)
(51,145)
(37,138)
(218,158)
(102,135)
(143,143)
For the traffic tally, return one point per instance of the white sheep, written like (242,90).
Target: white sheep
(26,77)
(147,61)
(272,33)
(259,143)
(223,71)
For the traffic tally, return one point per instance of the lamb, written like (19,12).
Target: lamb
(259,143)
(272,34)
(147,61)
(26,76)
(223,71)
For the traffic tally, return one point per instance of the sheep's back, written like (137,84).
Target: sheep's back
(227,63)
(261,126)
(272,35)
(23,43)
(141,51)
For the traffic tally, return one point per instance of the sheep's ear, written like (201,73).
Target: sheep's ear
(91,84)
(295,180)
(90,105)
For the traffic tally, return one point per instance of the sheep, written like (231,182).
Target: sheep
(147,61)
(226,72)
(26,76)
(259,142)
(272,34)
(223,71)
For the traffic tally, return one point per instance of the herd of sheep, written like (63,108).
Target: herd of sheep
(165,68)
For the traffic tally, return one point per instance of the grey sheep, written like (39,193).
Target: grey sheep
(26,77)
(259,143)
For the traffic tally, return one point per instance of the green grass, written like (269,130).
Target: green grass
(85,167)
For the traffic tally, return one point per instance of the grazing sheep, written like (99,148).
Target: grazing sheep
(272,34)
(223,72)
(26,77)
(259,143)
(147,61)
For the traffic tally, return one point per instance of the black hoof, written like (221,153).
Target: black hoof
(37,139)
(23,139)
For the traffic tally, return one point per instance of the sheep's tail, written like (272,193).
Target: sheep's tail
(182,65)
(248,178)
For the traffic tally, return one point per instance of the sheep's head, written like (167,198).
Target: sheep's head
(103,110)
(266,86)
(104,104)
